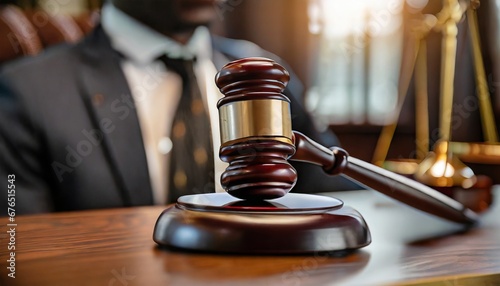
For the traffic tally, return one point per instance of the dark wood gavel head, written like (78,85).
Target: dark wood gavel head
(256,131)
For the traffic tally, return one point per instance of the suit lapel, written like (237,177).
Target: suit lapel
(108,98)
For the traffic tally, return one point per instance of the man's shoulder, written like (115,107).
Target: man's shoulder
(236,48)
(48,61)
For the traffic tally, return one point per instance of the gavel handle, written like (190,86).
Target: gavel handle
(408,191)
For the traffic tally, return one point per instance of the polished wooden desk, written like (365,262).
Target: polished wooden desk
(114,247)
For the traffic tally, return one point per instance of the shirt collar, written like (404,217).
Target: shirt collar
(142,44)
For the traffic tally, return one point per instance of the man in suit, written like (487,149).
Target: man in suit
(79,125)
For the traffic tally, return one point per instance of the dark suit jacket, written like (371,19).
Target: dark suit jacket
(69,131)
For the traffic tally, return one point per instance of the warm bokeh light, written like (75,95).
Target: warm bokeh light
(442,169)
(342,18)
(358,59)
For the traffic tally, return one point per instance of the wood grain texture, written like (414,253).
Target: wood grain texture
(115,247)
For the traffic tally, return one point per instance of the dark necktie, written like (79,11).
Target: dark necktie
(191,160)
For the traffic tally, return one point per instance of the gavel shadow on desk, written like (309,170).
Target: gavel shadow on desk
(257,215)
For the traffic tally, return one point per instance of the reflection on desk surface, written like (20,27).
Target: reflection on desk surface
(115,247)
(458,280)
(411,244)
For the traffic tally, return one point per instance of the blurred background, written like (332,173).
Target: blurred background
(362,62)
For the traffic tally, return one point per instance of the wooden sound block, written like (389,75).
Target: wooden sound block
(293,224)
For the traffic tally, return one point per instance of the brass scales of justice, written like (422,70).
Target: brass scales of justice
(442,168)
(257,214)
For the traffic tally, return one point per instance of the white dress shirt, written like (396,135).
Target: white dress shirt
(156,91)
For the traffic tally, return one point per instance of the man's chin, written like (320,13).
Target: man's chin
(197,11)
(199,15)
(199,3)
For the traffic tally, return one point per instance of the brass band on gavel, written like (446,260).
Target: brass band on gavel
(259,118)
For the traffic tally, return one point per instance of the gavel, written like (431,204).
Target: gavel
(257,140)
(257,214)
